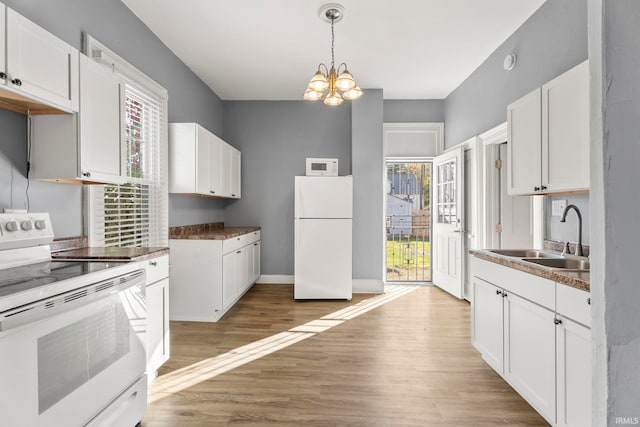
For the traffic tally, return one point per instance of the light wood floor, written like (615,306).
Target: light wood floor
(409,362)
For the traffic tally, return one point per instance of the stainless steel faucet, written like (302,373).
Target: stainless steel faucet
(564,219)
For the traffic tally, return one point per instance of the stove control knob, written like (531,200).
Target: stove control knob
(26,225)
(40,224)
(12,226)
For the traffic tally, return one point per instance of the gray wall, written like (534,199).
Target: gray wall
(275,138)
(568,231)
(413,110)
(551,41)
(615,54)
(368,191)
(111,22)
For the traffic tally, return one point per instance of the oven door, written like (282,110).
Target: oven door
(66,367)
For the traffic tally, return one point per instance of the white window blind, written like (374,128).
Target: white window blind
(136,213)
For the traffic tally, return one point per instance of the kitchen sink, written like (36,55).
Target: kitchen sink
(522,253)
(564,264)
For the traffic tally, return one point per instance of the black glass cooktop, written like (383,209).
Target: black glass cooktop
(19,279)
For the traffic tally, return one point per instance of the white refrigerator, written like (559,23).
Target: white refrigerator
(323,242)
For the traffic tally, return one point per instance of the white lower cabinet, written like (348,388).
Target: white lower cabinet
(536,343)
(488,320)
(573,343)
(157,292)
(529,353)
(209,276)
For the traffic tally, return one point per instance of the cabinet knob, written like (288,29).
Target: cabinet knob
(239,252)
(589,301)
(153,263)
(498,292)
(3,76)
(536,188)
(557,321)
(17,82)
(544,187)
(233,195)
(86,174)
(504,295)
(212,192)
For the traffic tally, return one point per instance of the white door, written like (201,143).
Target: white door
(448,248)
(516,220)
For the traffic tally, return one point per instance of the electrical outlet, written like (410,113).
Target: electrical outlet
(557,207)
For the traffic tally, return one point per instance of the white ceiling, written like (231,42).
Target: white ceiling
(269,49)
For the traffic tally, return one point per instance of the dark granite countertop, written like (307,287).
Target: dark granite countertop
(109,254)
(580,280)
(210,231)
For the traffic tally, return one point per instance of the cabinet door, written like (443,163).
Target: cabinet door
(487,322)
(225,169)
(574,373)
(256,262)
(530,353)
(3,41)
(565,131)
(524,163)
(235,174)
(230,278)
(203,160)
(40,64)
(214,165)
(157,324)
(101,123)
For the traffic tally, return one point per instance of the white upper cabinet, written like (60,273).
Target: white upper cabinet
(84,147)
(234,173)
(565,131)
(38,65)
(524,134)
(202,164)
(548,135)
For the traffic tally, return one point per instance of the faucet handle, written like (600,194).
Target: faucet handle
(566,250)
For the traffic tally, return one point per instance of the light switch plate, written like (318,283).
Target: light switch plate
(557,207)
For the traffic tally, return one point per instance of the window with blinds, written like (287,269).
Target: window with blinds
(135,213)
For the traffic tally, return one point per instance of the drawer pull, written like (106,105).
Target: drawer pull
(589,301)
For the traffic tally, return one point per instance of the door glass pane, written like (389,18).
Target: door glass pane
(408,221)
(446,193)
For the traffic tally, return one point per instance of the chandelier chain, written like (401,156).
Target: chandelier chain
(332,41)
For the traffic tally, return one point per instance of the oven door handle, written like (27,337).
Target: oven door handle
(70,300)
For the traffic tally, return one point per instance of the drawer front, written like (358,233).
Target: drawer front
(157,268)
(235,243)
(573,303)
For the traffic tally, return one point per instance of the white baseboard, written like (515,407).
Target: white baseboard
(277,279)
(360,286)
(368,286)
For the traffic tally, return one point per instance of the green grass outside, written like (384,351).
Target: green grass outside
(416,251)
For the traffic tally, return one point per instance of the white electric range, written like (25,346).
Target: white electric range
(72,334)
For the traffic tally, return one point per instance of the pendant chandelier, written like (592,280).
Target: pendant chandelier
(331,84)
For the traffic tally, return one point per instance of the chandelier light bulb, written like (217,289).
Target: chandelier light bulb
(334,99)
(318,82)
(353,93)
(345,81)
(312,95)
